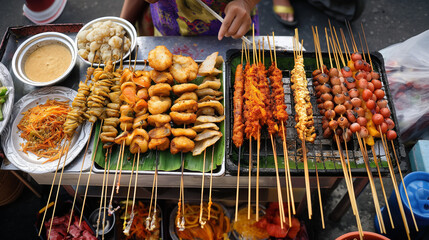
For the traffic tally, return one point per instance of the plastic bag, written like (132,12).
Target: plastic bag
(407,69)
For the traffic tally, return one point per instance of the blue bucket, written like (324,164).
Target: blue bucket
(417,184)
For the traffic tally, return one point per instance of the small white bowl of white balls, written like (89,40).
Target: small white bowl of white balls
(104,39)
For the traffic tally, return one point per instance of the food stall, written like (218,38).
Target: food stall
(317,164)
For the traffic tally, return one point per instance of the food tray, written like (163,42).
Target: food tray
(168,164)
(324,151)
(119,223)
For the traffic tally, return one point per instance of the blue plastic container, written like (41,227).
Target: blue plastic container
(417,184)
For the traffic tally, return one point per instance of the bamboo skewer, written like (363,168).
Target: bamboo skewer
(279,193)
(395,186)
(202,223)
(211,185)
(258,144)
(50,192)
(89,174)
(181,203)
(105,194)
(102,194)
(382,186)
(238,184)
(121,150)
(128,195)
(403,184)
(250,180)
(58,189)
(149,217)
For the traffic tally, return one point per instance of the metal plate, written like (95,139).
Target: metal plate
(6,80)
(11,139)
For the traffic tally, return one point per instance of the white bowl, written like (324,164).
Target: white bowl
(32,44)
(128,27)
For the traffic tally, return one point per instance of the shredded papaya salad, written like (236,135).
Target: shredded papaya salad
(42,129)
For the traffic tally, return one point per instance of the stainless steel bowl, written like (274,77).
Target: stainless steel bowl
(32,44)
(128,27)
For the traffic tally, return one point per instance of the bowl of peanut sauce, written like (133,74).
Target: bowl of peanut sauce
(44,59)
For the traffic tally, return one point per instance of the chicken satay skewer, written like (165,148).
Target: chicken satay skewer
(52,187)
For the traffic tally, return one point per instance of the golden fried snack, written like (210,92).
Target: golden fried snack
(161,77)
(179,89)
(160,58)
(143,94)
(209,119)
(214,104)
(138,144)
(201,145)
(158,120)
(208,91)
(159,143)
(206,111)
(208,67)
(184,69)
(215,85)
(160,132)
(185,106)
(207,134)
(211,78)
(160,89)
(142,78)
(208,97)
(157,105)
(183,118)
(181,144)
(187,96)
(204,126)
(187,132)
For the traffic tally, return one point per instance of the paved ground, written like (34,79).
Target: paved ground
(386,22)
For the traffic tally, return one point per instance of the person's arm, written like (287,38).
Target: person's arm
(132,9)
(237,18)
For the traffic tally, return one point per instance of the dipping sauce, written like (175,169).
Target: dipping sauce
(47,63)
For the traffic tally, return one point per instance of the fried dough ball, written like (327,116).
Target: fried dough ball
(160,58)
(161,77)
(206,111)
(183,118)
(159,120)
(159,144)
(187,96)
(187,132)
(184,69)
(181,144)
(179,89)
(185,106)
(157,105)
(160,89)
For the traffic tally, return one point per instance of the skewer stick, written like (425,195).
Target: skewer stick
(307,180)
(211,185)
(363,49)
(58,189)
(349,187)
(372,185)
(366,43)
(279,191)
(257,174)
(403,184)
(152,223)
(128,194)
(346,47)
(249,197)
(315,46)
(121,149)
(181,203)
(288,179)
(320,197)
(238,184)
(105,195)
(52,187)
(382,186)
(89,174)
(202,223)
(149,217)
(135,190)
(102,195)
(395,186)
(274,49)
(327,44)
(269,45)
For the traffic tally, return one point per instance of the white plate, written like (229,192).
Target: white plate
(11,142)
(6,80)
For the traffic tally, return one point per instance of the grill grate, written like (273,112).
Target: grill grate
(323,151)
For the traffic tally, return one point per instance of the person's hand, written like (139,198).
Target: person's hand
(237,19)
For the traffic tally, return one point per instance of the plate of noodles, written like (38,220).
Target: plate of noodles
(35,140)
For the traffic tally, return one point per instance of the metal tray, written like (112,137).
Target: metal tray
(323,151)
(150,156)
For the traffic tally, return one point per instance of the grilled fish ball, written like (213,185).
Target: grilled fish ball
(333,72)
(333,124)
(160,89)
(326,97)
(157,105)
(335,81)
(181,144)
(340,109)
(343,122)
(323,78)
(339,99)
(179,89)
(336,89)
(160,58)
(330,114)
(328,105)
